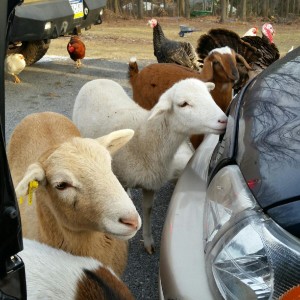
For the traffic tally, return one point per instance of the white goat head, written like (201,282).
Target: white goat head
(193,108)
(84,193)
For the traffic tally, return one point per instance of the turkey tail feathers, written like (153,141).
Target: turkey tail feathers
(221,37)
(205,44)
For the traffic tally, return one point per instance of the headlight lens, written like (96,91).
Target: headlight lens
(248,255)
(48,26)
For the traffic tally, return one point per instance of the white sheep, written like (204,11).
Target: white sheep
(55,274)
(146,161)
(79,205)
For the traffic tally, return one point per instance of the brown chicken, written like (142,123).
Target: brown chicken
(76,49)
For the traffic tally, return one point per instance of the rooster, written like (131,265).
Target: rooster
(168,51)
(76,50)
(14,64)
(251,32)
(259,52)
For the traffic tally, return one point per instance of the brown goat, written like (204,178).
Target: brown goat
(219,67)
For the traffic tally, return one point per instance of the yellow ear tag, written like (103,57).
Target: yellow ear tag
(33,185)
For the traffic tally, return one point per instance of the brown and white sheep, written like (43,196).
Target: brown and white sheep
(55,274)
(79,205)
(219,67)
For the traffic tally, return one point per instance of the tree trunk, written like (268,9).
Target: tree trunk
(250,8)
(187,9)
(243,10)
(223,11)
(287,8)
(273,5)
(293,9)
(140,6)
(181,8)
(230,10)
(254,8)
(110,5)
(265,11)
(281,10)
(117,7)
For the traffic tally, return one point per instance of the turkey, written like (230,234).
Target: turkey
(168,51)
(259,52)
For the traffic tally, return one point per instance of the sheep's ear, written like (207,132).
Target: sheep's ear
(164,104)
(34,172)
(210,85)
(207,70)
(116,139)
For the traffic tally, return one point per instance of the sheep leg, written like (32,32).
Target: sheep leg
(147,203)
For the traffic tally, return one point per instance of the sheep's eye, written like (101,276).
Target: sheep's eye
(62,185)
(184,104)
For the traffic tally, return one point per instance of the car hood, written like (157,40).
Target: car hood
(268,140)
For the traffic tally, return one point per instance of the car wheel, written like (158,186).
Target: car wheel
(32,50)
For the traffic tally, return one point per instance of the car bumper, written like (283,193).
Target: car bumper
(51,19)
(182,272)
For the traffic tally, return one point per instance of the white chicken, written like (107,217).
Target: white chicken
(14,64)
(251,32)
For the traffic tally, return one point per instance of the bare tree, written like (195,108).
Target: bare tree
(140,7)
(114,5)
(273,6)
(223,11)
(265,10)
(231,8)
(181,5)
(187,9)
(293,6)
(287,8)
(243,9)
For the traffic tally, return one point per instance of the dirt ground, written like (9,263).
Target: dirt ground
(119,38)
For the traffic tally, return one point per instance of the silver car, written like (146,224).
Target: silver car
(232,229)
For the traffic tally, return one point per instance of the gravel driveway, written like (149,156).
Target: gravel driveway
(52,85)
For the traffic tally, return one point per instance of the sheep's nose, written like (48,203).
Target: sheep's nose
(223,120)
(130,221)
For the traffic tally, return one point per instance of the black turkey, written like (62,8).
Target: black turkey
(168,51)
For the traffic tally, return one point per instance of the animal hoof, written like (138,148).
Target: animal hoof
(150,249)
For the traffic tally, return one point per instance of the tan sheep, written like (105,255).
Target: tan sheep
(79,205)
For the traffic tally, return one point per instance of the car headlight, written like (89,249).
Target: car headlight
(248,255)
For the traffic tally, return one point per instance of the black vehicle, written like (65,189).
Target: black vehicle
(232,229)
(37,22)
(12,270)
